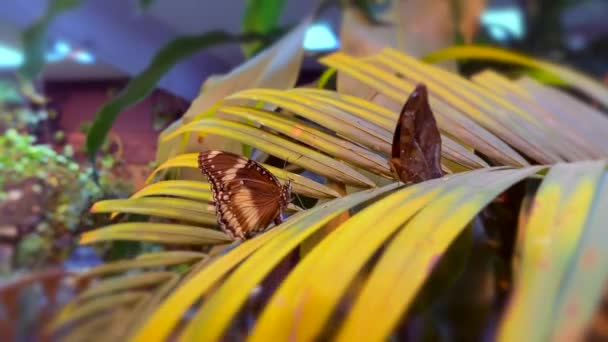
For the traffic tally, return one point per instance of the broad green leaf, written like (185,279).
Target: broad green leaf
(274,243)
(550,239)
(165,233)
(175,208)
(586,84)
(34,38)
(301,185)
(410,256)
(449,119)
(280,147)
(143,84)
(261,16)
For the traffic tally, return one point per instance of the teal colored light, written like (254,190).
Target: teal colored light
(60,50)
(319,37)
(62,47)
(83,57)
(504,22)
(9,57)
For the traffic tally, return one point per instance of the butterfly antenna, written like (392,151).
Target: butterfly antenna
(300,201)
(298,197)
(287,161)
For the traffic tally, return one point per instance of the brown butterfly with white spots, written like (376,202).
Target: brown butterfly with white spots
(247,196)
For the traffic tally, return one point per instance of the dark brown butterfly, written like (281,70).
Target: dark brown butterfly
(416,153)
(247,196)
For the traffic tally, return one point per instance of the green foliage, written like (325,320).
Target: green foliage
(64,186)
(13,112)
(34,37)
(143,84)
(260,16)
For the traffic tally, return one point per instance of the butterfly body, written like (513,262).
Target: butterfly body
(247,196)
(416,150)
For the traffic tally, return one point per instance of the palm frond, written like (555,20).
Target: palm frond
(387,238)
(552,254)
(568,76)
(533,129)
(258,256)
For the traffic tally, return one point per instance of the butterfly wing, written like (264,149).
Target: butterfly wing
(247,196)
(416,150)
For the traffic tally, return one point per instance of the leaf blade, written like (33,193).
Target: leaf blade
(217,311)
(142,85)
(155,232)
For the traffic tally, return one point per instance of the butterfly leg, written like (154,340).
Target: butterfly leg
(278,220)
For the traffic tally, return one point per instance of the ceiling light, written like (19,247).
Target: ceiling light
(83,57)
(9,57)
(503,22)
(319,37)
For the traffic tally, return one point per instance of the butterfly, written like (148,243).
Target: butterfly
(416,150)
(247,196)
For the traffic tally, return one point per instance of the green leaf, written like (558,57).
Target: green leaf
(261,16)
(34,38)
(144,83)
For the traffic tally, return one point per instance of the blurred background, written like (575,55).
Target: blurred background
(92,49)
(146,62)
